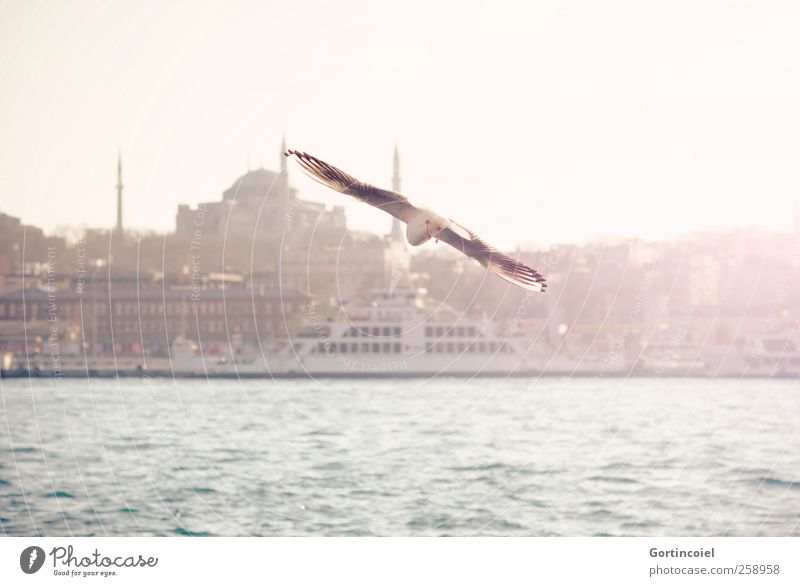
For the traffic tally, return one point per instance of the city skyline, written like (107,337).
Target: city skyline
(643,136)
(352,208)
(578,316)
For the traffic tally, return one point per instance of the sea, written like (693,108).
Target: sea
(402,457)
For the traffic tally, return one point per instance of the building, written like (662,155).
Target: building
(262,212)
(346,266)
(347,270)
(24,249)
(122,317)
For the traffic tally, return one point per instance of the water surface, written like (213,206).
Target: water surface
(400,457)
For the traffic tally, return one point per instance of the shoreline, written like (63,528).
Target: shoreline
(94,373)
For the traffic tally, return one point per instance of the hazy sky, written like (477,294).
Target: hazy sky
(527,121)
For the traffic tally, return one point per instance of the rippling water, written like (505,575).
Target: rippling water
(410,457)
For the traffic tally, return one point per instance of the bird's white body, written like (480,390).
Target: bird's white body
(423,226)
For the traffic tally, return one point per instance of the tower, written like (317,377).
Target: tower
(399,258)
(396,233)
(282,155)
(284,191)
(396,174)
(119,194)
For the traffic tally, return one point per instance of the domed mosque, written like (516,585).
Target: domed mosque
(256,184)
(262,212)
(261,203)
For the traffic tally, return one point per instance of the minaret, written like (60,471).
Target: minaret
(119,194)
(396,174)
(283,182)
(282,155)
(396,233)
(399,258)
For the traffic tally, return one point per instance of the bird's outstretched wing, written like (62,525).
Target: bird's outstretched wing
(499,263)
(383,199)
(397,205)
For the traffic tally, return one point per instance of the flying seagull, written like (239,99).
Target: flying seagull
(422,224)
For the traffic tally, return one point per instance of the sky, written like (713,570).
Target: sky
(529,122)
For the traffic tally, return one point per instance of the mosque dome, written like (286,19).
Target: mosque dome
(257,183)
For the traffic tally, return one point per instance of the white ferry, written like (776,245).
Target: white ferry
(772,355)
(397,334)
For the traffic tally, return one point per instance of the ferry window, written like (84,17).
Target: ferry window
(365,348)
(450,333)
(459,331)
(429,332)
(429,348)
(376,348)
(397,331)
(397,348)
(321,347)
(481,346)
(493,347)
(449,346)
(353,348)
(387,331)
(354,332)
(376,331)
(439,332)
(461,346)
(387,347)
(471,331)
(344,348)
(332,348)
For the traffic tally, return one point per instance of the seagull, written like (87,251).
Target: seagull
(422,224)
